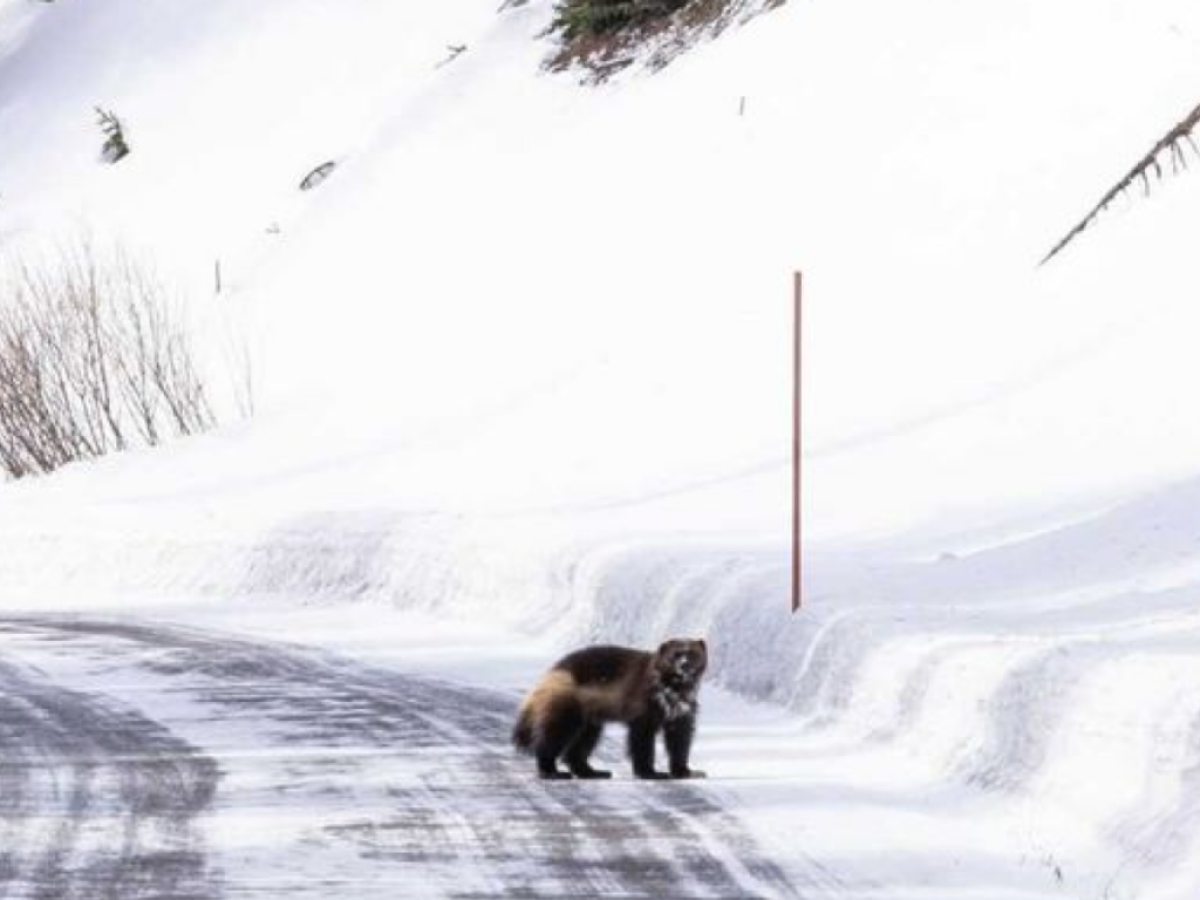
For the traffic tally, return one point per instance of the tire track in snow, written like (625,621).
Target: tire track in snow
(95,800)
(404,786)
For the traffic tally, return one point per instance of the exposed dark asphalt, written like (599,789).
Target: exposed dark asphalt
(95,800)
(145,761)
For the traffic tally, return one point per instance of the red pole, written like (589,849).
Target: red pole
(796,431)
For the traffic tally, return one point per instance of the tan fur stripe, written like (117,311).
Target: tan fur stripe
(553,685)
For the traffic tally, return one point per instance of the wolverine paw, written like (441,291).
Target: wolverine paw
(592,773)
(689,773)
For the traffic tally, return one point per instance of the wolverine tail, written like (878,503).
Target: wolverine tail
(522,733)
(539,707)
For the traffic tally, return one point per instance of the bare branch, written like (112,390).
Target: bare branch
(93,358)
(1172,142)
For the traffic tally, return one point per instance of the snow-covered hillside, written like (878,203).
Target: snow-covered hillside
(524,359)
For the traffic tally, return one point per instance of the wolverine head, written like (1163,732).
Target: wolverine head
(681,661)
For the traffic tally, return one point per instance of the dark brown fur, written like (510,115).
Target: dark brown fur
(565,713)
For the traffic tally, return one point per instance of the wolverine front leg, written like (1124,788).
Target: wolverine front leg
(581,748)
(678,733)
(642,733)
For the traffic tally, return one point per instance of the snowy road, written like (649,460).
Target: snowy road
(142,761)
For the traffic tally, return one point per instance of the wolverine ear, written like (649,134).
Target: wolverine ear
(703,645)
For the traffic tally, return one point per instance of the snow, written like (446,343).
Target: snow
(523,382)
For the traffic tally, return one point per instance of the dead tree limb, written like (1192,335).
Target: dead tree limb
(1175,143)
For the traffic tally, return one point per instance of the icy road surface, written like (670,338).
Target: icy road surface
(142,761)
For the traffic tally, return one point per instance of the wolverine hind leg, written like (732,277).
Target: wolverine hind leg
(563,724)
(581,748)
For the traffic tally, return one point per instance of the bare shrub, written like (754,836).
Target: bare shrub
(116,147)
(93,358)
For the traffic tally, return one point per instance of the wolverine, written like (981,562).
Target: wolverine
(565,713)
